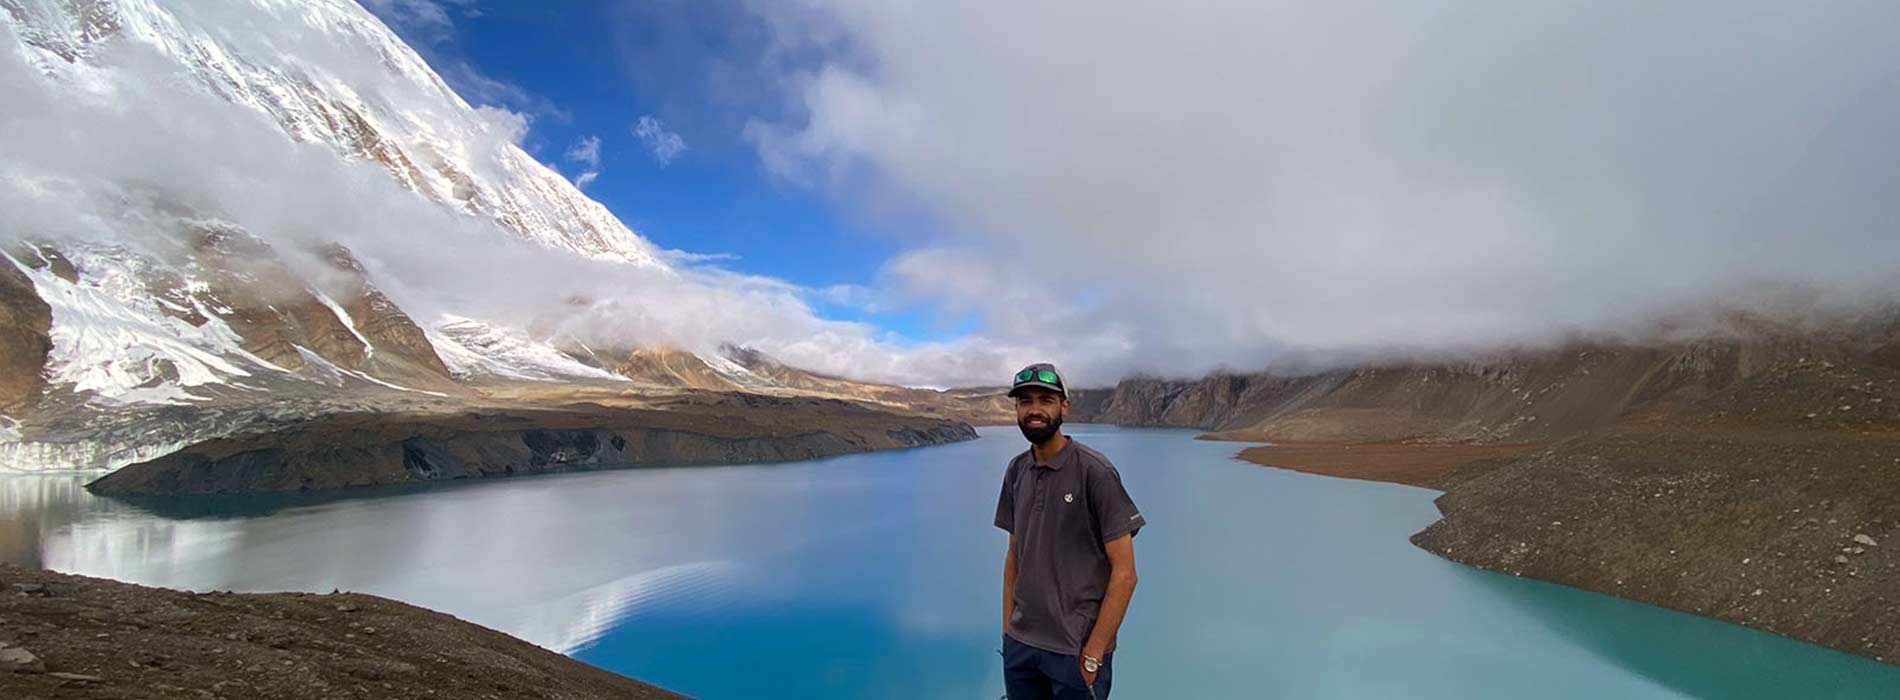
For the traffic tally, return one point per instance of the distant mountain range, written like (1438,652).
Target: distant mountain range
(1528,395)
(1749,477)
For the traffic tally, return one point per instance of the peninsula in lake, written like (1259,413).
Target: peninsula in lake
(1749,477)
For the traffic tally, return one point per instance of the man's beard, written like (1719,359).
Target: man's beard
(1042,434)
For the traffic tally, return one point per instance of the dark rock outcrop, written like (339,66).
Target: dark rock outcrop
(1085,405)
(362,449)
(1214,402)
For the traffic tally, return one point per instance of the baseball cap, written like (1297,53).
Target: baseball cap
(1041,374)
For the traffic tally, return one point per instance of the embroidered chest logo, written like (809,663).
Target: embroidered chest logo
(1068,498)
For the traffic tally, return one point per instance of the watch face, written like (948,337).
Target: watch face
(1092,665)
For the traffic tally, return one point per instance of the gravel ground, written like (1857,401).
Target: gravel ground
(64,636)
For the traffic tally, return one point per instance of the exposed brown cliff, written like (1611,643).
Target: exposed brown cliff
(268,305)
(25,320)
(672,367)
(398,348)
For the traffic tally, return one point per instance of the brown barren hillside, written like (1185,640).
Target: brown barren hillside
(1774,504)
(1753,477)
(1517,397)
(24,322)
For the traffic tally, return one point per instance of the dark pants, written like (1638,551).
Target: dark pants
(1030,673)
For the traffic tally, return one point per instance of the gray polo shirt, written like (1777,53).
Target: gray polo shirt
(1061,514)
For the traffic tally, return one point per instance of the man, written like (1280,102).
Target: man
(1071,564)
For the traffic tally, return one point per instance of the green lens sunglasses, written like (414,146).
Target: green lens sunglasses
(1041,375)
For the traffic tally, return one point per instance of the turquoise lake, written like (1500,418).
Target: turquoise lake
(876,576)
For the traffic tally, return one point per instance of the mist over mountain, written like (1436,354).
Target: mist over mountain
(1173,218)
(308,125)
(229,214)
(1179,188)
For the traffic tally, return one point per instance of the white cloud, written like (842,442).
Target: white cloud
(683,258)
(83,164)
(502,122)
(856,296)
(429,27)
(664,144)
(1216,183)
(586,152)
(429,20)
(481,89)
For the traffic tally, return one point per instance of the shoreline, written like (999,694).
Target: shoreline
(1786,531)
(345,450)
(1411,464)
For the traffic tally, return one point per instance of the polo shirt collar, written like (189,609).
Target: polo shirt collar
(1062,456)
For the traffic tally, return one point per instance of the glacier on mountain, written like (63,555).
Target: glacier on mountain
(111,339)
(329,72)
(246,213)
(473,348)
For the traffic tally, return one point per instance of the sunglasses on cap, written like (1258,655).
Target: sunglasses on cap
(1041,375)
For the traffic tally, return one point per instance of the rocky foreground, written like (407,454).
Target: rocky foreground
(1772,503)
(1796,533)
(361,449)
(65,636)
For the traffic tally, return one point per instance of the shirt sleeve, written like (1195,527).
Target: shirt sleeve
(1115,512)
(1006,501)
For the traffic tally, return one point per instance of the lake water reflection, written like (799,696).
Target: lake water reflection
(875,576)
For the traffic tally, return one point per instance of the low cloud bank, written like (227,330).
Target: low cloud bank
(1213,184)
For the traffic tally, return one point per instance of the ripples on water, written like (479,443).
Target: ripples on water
(875,576)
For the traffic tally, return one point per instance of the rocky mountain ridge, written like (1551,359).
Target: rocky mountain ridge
(405,118)
(1535,395)
(142,356)
(1746,477)
(161,322)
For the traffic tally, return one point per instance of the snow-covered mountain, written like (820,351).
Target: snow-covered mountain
(301,63)
(174,266)
(192,299)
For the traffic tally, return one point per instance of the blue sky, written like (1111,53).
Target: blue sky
(1150,186)
(584,70)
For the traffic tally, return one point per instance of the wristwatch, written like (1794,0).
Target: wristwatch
(1091,664)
